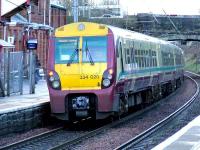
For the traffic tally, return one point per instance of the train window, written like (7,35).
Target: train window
(146,52)
(139,52)
(65,48)
(95,49)
(128,56)
(117,49)
(147,61)
(140,62)
(132,55)
(136,61)
(128,60)
(127,51)
(156,64)
(136,52)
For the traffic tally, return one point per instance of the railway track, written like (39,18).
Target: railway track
(38,140)
(48,137)
(105,128)
(144,135)
(30,140)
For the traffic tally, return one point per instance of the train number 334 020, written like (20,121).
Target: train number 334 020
(85,76)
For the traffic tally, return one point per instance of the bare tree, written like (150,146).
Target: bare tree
(110,2)
(68,5)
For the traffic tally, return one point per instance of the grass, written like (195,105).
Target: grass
(191,63)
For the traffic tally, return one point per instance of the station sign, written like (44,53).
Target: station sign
(32,44)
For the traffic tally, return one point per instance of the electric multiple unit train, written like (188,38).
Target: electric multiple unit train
(97,70)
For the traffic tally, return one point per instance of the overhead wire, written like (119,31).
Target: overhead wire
(171,22)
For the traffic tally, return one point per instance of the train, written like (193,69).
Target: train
(96,70)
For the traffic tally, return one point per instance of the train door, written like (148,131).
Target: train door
(93,61)
(120,64)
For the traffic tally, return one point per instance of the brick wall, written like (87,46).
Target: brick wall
(58,18)
(25,119)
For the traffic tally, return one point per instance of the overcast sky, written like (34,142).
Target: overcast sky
(179,7)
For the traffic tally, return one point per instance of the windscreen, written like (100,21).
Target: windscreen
(94,49)
(66,50)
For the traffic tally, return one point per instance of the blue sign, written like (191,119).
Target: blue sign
(32,44)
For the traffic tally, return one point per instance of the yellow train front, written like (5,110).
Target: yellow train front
(81,71)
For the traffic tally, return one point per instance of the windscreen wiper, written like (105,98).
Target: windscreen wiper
(73,55)
(88,52)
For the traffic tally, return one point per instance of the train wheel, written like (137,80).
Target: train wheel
(178,83)
(147,97)
(164,90)
(173,85)
(169,88)
(156,93)
(123,104)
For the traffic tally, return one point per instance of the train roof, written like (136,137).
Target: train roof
(138,36)
(118,32)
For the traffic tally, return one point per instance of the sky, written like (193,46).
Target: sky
(173,7)
(8,6)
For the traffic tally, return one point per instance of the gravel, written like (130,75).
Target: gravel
(115,136)
(15,137)
(175,125)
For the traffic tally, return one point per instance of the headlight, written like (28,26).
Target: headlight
(55,84)
(107,79)
(109,76)
(54,80)
(106,82)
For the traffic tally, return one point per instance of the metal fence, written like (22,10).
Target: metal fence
(15,70)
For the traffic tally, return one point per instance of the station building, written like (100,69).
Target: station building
(31,19)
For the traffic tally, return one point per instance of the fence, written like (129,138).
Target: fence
(15,69)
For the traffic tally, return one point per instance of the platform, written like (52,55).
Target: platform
(21,112)
(17,102)
(188,138)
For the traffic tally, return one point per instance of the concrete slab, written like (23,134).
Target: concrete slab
(17,102)
(188,138)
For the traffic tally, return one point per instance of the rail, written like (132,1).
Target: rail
(163,122)
(20,144)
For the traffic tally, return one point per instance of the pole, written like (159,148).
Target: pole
(49,14)
(4,32)
(8,73)
(31,72)
(31,60)
(75,10)
(44,12)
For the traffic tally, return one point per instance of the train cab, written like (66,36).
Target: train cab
(82,64)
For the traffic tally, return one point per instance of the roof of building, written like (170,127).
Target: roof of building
(8,6)
(6,44)
(18,18)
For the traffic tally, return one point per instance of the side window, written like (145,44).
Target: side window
(128,52)
(132,52)
(118,47)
